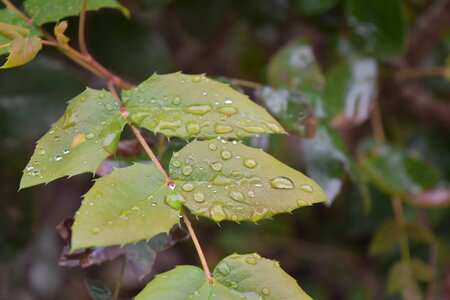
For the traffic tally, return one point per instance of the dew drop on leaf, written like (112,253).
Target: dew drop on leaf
(226,154)
(193,128)
(223,268)
(250,261)
(306,188)
(176,163)
(58,157)
(265,291)
(222,128)
(95,230)
(199,197)
(217,212)
(212,147)
(176,100)
(188,187)
(187,170)
(249,163)
(228,110)
(237,196)
(281,183)
(198,109)
(216,166)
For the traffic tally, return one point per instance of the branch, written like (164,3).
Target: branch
(429,30)
(81,27)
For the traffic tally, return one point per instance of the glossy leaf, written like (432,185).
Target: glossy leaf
(327,160)
(123,207)
(236,277)
(293,110)
(379,26)
(295,67)
(79,141)
(313,7)
(190,106)
(43,11)
(230,181)
(396,171)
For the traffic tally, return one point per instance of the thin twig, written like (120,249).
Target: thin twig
(377,122)
(150,153)
(400,221)
(81,29)
(200,253)
(120,279)
(49,43)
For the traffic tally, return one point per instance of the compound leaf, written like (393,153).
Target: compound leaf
(189,106)
(236,277)
(230,181)
(123,207)
(43,11)
(79,141)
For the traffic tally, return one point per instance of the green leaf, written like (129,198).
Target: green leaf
(313,7)
(79,141)
(236,277)
(190,106)
(379,26)
(350,91)
(7,16)
(295,67)
(230,181)
(123,207)
(396,171)
(403,277)
(293,110)
(327,160)
(43,11)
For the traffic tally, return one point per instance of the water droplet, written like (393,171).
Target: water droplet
(109,107)
(187,170)
(29,168)
(228,110)
(258,214)
(204,93)
(169,125)
(228,101)
(188,187)
(58,157)
(254,129)
(281,183)
(234,285)
(101,95)
(176,100)
(216,166)
(198,109)
(90,136)
(265,291)
(176,154)
(222,128)
(95,230)
(136,208)
(176,163)
(226,154)
(154,203)
(51,131)
(41,152)
(306,188)
(174,200)
(235,173)
(249,163)
(250,261)
(197,79)
(199,197)
(274,127)
(237,196)
(276,264)
(212,147)
(172,185)
(223,268)
(35,172)
(217,213)
(193,128)
(257,256)
(66,151)
(302,203)
(251,194)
